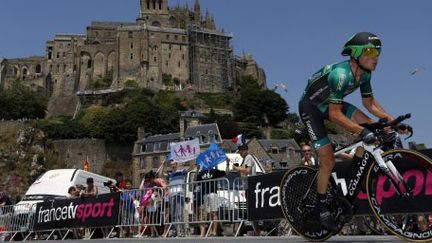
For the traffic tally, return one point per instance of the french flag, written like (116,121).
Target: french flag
(240,139)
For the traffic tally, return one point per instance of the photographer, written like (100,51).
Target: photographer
(112,187)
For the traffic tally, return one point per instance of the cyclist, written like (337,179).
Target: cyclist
(323,100)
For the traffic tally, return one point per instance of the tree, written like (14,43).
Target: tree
(256,104)
(93,120)
(19,101)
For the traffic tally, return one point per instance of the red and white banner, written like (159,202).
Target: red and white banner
(185,151)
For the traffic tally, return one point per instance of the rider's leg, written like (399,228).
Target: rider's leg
(327,163)
(314,122)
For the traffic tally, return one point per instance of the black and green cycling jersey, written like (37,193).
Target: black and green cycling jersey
(332,83)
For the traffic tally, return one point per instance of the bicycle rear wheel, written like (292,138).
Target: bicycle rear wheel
(298,197)
(399,214)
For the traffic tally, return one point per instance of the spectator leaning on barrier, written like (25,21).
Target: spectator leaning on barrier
(151,202)
(90,190)
(209,191)
(247,168)
(73,192)
(176,184)
(128,197)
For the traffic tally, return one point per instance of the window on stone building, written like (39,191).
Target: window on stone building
(24,73)
(130,34)
(155,59)
(167,37)
(148,4)
(49,55)
(183,56)
(160,5)
(131,56)
(64,68)
(142,163)
(149,147)
(183,38)
(89,64)
(154,4)
(58,68)
(175,37)
(155,162)
(169,47)
(179,64)
(38,68)
(64,54)
(169,55)
(131,45)
(166,63)
(97,34)
(58,55)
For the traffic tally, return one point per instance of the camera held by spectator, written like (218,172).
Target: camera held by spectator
(112,186)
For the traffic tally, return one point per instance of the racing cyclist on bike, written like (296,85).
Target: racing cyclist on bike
(323,100)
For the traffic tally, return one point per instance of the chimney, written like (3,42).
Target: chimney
(141,133)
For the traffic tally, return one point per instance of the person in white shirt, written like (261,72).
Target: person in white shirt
(308,158)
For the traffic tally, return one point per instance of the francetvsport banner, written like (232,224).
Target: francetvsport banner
(185,151)
(100,211)
(264,202)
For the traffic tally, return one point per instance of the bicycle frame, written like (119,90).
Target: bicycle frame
(372,151)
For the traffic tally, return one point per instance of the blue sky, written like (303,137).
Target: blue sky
(289,39)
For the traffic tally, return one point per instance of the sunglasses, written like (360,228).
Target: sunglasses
(371,52)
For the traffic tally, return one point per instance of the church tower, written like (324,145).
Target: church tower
(197,13)
(154,13)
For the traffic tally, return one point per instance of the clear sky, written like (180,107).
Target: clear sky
(289,39)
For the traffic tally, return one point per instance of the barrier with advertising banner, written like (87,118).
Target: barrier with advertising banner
(263,191)
(100,211)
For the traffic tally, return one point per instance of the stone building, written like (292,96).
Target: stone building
(165,48)
(276,153)
(150,152)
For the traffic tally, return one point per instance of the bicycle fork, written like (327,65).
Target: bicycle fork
(396,179)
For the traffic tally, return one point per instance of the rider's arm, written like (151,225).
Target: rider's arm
(336,115)
(375,108)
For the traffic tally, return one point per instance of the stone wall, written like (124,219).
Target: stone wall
(104,158)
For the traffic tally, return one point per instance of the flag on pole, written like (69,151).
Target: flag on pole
(185,151)
(87,165)
(211,158)
(239,139)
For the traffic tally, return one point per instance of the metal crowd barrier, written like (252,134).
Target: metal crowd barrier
(16,221)
(177,208)
(211,202)
(240,209)
(140,209)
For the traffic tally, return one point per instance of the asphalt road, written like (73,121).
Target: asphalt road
(290,239)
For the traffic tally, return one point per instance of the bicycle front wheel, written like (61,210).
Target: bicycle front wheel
(403,214)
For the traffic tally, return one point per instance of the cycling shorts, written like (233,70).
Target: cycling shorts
(313,119)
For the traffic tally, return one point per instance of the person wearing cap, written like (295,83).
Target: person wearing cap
(247,168)
(90,190)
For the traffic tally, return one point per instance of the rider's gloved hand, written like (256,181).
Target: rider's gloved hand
(403,128)
(368,137)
